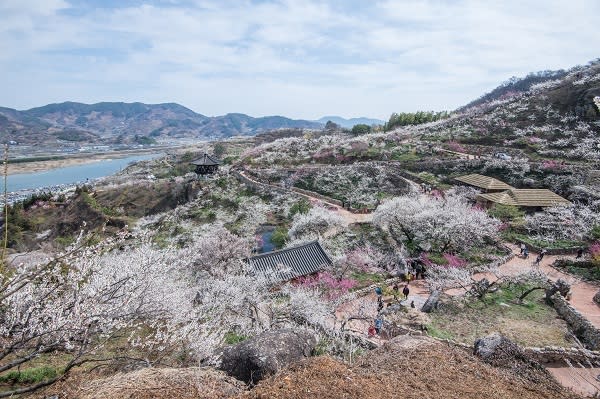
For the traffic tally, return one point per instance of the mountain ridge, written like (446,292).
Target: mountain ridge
(121,122)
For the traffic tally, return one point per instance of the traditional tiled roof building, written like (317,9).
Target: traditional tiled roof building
(287,264)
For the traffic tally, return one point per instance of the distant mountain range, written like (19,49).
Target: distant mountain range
(116,122)
(349,123)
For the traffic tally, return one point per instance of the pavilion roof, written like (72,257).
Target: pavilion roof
(206,160)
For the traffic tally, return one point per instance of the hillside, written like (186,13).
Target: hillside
(116,122)
(555,119)
(516,85)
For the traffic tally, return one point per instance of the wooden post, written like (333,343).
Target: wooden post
(5,243)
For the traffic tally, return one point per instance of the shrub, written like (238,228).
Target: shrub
(330,286)
(506,213)
(29,376)
(302,206)
(279,237)
(232,338)
(595,233)
(595,253)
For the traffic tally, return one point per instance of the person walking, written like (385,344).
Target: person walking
(579,253)
(522,247)
(418,271)
(396,291)
(526,253)
(378,325)
(405,291)
(542,254)
(379,304)
(371,331)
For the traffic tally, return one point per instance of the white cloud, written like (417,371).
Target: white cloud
(297,58)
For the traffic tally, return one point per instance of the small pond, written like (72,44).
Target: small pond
(264,235)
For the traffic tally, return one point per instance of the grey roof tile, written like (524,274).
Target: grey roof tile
(289,263)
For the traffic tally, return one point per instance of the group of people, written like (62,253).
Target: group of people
(375,328)
(524,253)
(414,270)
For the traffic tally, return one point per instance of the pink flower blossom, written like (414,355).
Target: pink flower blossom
(454,261)
(331,287)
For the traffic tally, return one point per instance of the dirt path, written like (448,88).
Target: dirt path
(348,216)
(581,299)
(582,380)
(582,291)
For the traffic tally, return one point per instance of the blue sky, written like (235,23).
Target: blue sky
(301,59)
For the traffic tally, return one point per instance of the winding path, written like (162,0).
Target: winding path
(348,216)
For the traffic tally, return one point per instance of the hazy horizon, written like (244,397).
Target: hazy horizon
(299,59)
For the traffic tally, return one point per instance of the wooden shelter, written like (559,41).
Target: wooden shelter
(206,165)
(485,183)
(523,198)
(287,264)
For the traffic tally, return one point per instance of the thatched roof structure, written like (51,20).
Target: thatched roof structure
(483,182)
(526,198)
(289,263)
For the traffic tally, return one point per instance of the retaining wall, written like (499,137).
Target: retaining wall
(257,185)
(317,195)
(581,327)
(547,354)
(550,251)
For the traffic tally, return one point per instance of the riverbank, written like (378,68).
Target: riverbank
(62,161)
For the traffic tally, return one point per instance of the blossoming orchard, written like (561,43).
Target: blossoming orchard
(449,225)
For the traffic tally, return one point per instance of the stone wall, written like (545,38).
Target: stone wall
(553,354)
(548,354)
(550,251)
(581,327)
(257,185)
(317,195)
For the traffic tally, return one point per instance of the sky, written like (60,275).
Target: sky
(301,59)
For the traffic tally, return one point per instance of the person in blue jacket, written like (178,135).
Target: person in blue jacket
(378,325)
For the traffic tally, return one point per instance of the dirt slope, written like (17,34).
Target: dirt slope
(407,367)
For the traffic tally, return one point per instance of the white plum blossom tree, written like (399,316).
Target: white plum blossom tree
(160,298)
(313,224)
(563,222)
(435,223)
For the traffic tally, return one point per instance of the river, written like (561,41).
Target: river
(72,174)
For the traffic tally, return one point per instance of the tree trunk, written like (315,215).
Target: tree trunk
(529,291)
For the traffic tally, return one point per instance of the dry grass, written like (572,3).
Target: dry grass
(407,367)
(532,324)
(151,383)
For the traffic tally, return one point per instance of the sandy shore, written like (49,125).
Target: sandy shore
(80,159)
(40,166)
